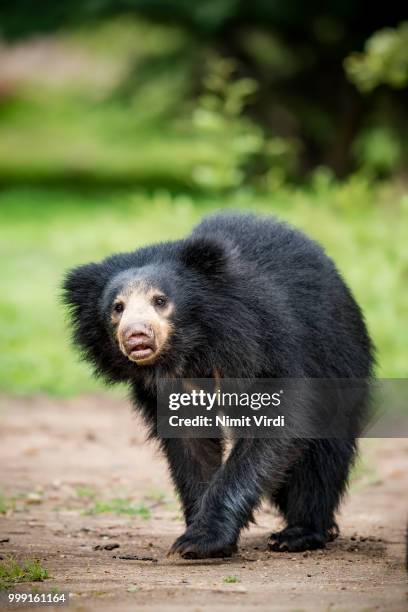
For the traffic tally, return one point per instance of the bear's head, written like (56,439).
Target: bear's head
(165,305)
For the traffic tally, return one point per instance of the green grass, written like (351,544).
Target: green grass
(46,231)
(230,579)
(3,504)
(118,505)
(12,572)
(6,503)
(85,492)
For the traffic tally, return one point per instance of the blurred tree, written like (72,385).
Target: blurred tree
(380,147)
(383,61)
(293,50)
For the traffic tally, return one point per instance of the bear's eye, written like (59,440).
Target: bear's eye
(160,301)
(118,307)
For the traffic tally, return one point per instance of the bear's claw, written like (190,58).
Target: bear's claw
(201,546)
(296,539)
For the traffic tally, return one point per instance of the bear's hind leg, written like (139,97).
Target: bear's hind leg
(311,494)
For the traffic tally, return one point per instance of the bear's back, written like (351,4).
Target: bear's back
(272,245)
(285,262)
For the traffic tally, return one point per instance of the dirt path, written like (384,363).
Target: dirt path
(61,459)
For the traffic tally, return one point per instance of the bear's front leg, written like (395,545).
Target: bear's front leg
(253,466)
(192,462)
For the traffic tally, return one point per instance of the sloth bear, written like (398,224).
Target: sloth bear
(241,297)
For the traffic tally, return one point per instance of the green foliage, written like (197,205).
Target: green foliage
(236,147)
(271,52)
(135,122)
(90,129)
(378,150)
(12,572)
(158,105)
(231,140)
(384,60)
(152,56)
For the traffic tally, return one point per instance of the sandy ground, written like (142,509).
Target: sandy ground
(60,458)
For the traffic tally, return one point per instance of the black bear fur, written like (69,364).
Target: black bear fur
(254,298)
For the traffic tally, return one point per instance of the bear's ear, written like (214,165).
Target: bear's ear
(205,255)
(81,293)
(83,286)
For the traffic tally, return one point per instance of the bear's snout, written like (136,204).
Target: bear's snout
(138,341)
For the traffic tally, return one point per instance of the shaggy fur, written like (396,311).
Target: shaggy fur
(253,298)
